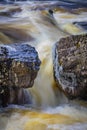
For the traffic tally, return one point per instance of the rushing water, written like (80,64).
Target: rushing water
(31,23)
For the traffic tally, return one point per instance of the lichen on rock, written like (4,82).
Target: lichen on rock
(70,65)
(19,65)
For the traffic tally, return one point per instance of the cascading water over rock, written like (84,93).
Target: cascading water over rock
(19,64)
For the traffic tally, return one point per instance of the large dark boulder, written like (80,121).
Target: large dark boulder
(70,66)
(19,64)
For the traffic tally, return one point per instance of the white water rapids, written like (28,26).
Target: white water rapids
(50,109)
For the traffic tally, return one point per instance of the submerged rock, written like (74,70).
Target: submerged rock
(19,64)
(70,66)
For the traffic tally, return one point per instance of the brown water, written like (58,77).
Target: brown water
(50,109)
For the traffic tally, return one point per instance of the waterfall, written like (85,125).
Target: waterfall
(45,31)
(45,92)
(46,106)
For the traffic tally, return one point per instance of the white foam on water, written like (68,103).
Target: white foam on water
(77,112)
(76,126)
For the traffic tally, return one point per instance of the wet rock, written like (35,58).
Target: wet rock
(70,66)
(19,64)
(4,96)
(14,95)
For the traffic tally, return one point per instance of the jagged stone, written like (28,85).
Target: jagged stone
(19,64)
(70,66)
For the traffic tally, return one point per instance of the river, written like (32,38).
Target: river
(31,22)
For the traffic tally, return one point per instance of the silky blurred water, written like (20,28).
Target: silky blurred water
(31,23)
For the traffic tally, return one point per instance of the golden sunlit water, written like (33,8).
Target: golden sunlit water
(50,109)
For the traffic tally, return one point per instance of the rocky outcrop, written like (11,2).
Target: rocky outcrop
(70,66)
(19,65)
